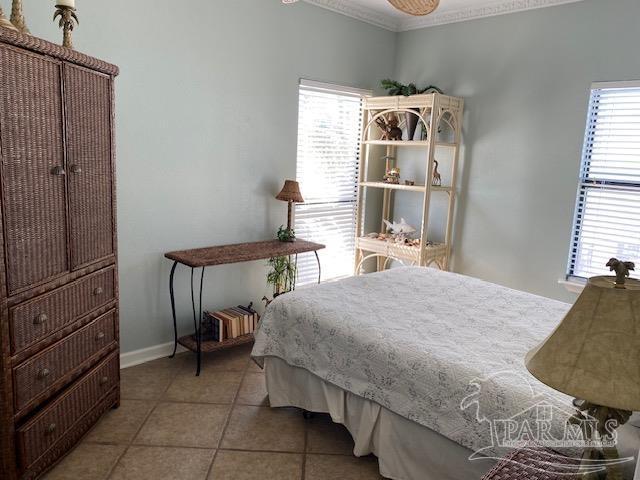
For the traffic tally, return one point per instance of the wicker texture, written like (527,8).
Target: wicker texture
(57,388)
(58,227)
(415,7)
(72,436)
(290,192)
(63,357)
(33,198)
(60,307)
(7,444)
(40,433)
(34,44)
(241,252)
(60,281)
(534,463)
(434,252)
(88,104)
(58,335)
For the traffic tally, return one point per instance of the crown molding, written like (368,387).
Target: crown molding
(368,15)
(490,9)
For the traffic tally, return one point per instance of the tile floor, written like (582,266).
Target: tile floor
(172,425)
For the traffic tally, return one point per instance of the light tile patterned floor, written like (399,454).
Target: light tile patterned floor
(172,425)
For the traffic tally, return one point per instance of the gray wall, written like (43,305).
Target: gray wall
(206,130)
(526,79)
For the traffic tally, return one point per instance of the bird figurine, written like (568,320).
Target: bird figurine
(622,270)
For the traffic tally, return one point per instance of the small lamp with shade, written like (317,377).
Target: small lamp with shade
(290,193)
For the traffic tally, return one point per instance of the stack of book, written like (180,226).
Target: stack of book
(229,323)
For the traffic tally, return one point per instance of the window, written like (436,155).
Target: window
(607,217)
(329,128)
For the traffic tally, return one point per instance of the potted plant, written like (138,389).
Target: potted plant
(395,88)
(282,275)
(286,234)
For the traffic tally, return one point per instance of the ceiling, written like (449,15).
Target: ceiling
(383,14)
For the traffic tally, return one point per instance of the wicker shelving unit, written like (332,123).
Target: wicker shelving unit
(439,129)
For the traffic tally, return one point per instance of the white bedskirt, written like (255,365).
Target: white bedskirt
(405,449)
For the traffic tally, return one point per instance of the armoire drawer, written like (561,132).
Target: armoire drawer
(48,426)
(43,370)
(36,319)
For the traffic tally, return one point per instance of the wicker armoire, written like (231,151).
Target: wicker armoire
(59,360)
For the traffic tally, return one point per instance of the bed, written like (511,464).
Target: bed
(415,362)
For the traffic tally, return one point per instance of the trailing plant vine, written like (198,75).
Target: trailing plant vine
(282,275)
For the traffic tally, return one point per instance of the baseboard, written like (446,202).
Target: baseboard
(144,355)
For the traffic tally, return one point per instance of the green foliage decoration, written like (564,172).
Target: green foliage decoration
(282,274)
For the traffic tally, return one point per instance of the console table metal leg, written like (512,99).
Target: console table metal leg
(173,310)
(319,268)
(199,331)
(195,322)
(193,305)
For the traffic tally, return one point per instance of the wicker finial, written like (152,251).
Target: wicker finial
(17,16)
(4,22)
(67,17)
(622,270)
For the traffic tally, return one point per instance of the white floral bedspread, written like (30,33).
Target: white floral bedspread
(419,342)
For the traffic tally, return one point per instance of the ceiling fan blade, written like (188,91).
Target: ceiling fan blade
(415,7)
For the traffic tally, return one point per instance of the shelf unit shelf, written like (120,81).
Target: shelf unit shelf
(410,188)
(397,143)
(408,143)
(436,113)
(190,343)
(400,251)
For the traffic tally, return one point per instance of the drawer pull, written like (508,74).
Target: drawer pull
(58,171)
(51,428)
(44,373)
(104,380)
(40,319)
(99,336)
(98,291)
(76,169)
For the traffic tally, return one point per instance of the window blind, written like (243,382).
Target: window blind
(329,127)
(607,215)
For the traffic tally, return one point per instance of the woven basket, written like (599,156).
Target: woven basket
(534,463)
(416,7)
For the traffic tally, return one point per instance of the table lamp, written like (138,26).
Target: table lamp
(594,355)
(290,193)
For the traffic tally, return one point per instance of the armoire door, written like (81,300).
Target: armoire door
(89,161)
(33,173)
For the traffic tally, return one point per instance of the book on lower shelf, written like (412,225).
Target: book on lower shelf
(229,323)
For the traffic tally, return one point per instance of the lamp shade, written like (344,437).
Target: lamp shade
(290,192)
(594,354)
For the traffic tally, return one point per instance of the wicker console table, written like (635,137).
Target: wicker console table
(222,255)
